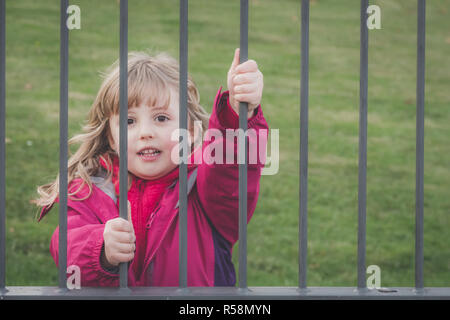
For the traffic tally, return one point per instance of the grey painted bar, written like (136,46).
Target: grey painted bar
(63,143)
(183,126)
(2,145)
(420,114)
(243,142)
(303,196)
(362,167)
(123,124)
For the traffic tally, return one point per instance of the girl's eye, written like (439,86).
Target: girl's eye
(161,118)
(130,121)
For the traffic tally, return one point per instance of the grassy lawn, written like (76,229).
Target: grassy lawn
(32,128)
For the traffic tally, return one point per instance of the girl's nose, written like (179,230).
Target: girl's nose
(146,132)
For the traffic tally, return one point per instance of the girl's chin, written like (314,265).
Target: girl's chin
(149,177)
(155,176)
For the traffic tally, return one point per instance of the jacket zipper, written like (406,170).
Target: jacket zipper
(138,219)
(139,213)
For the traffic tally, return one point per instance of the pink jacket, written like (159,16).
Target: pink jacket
(212,217)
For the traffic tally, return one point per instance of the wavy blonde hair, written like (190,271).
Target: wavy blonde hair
(149,77)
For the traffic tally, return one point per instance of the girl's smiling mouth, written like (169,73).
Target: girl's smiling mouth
(149,154)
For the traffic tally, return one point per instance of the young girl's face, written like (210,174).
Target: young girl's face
(150,145)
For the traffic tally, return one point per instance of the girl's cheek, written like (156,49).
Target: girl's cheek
(132,138)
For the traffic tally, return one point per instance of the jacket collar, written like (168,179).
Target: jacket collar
(111,163)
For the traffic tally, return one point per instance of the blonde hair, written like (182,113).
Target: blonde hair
(148,77)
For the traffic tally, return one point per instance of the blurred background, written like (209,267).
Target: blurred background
(32,129)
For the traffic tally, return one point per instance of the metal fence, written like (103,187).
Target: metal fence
(242,291)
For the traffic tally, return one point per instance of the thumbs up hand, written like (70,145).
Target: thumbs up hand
(245,84)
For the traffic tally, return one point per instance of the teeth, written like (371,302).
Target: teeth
(148,151)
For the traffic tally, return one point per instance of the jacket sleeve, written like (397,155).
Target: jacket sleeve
(218,172)
(84,245)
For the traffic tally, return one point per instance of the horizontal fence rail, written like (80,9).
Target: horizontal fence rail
(226,293)
(360,291)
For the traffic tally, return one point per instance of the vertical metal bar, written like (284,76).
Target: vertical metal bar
(183,128)
(2,146)
(243,125)
(420,142)
(304,91)
(63,146)
(123,124)
(362,167)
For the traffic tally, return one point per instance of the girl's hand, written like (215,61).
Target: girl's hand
(119,239)
(245,83)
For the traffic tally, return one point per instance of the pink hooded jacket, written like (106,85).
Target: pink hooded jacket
(213,200)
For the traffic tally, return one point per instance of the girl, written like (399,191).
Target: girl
(98,240)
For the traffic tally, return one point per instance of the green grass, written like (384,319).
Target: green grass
(32,128)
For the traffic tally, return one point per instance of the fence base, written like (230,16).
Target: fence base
(225,293)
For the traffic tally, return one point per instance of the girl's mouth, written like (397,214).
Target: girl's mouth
(149,154)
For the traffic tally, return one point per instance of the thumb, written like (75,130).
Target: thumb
(235,62)
(129,215)
(129,211)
